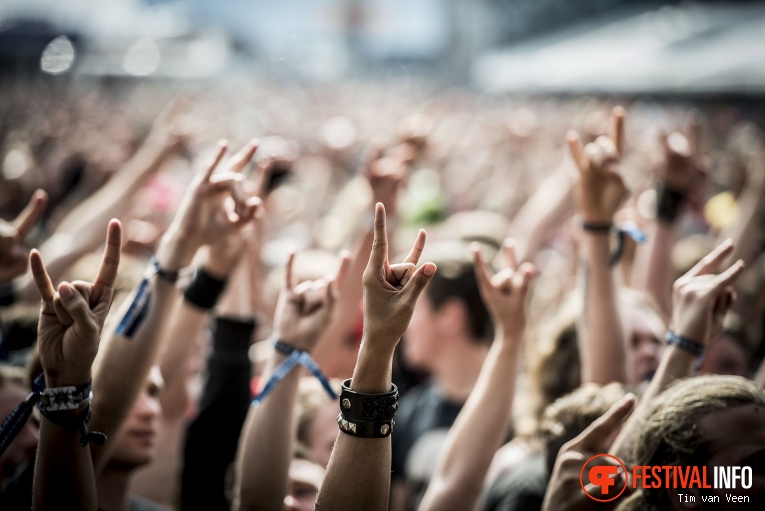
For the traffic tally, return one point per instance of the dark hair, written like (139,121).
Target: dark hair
(569,415)
(455,279)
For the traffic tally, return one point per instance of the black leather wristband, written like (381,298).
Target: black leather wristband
(368,407)
(669,203)
(204,290)
(365,429)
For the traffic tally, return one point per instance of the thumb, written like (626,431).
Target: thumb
(596,434)
(419,280)
(77,307)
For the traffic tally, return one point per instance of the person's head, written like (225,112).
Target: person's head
(705,421)
(316,420)
(729,353)
(449,312)
(136,440)
(569,415)
(305,479)
(645,331)
(24,446)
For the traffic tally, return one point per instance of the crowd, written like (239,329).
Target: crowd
(562,278)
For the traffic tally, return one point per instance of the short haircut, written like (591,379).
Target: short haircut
(455,280)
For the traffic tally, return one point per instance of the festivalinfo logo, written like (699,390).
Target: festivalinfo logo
(609,475)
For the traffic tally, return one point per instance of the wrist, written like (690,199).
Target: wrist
(373,370)
(63,379)
(175,251)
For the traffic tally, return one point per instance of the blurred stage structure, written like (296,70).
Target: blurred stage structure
(500,46)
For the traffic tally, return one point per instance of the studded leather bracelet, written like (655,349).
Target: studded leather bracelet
(368,407)
(365,429)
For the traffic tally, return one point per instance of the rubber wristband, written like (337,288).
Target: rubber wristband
(204,290)
(685,344)
(365,429)
(368,407)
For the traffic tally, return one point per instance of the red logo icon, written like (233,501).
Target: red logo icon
(604,476)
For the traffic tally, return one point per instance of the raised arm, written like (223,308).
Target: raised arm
(303,312)
(601,192)
(78,232)
(483,421)
(358,475)
(700,301)
(13,258)
(204,217)
(653,271)
(385,176)
(70,324)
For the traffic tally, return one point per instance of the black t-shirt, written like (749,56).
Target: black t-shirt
(522,489)
(422,421)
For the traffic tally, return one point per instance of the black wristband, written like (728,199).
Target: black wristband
(7,294)
(685,344)
(204,290)
(365,429)
(669,203)
(604,228)
(368,407)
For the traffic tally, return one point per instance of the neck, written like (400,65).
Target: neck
(457,369)
(113,489)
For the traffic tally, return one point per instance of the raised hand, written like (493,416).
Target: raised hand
(564,491)
(505,293)
(71,318)
(223,254)
(13,258)
(214,208)
(304,310)
(701,299)
(386,174)
(391,291)
(601,188)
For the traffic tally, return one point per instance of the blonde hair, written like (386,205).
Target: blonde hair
(670,434)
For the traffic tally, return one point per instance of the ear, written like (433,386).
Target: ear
(685,498)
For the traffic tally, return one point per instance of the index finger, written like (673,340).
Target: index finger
(379,255)
(575,147)
(417,248)
(479,265)
(31,213)
(712,260)
(220,150)
(41,277)
(595,435)
(110,262)
(617,133)
(289,282)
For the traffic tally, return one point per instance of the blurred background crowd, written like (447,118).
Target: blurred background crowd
(475,95)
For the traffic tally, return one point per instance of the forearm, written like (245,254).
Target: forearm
(64,477)
(654,271)
(267,443)
(477,433)
(122,364)
(545,210)
(358,474)
(180,339)
(601,338)
(80,231)
(675,364)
